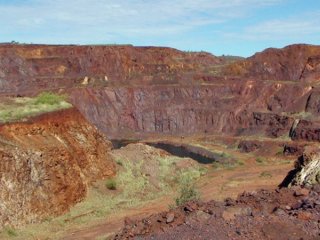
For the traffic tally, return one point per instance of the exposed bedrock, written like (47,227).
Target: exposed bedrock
(46,165)
(131,91)
(30,68)
(307,169)
(243,108)
(307,130)
(297,62)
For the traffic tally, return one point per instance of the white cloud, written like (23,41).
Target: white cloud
(292,28)
(123,17)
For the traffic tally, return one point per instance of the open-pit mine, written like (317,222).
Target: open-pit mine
(124,142)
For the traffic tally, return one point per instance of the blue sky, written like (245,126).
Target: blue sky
(236,27)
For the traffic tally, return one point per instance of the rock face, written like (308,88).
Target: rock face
(307,169)
(131,91)
(227,108)
(29,68)
(46,165)
(292,63)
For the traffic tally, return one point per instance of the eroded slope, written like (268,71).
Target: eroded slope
(47,163)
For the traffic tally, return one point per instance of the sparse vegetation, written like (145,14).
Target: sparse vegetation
(10,232)
(119,162)
(15,109)
(265,175)
(279,152)
(260,160)
(49,98)
(224,155)
(111,184)
(228,164)
(187,190)
(134,188)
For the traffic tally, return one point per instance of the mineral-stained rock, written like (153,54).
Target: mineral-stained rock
(307,130)
(46,165)
(294,62)
(307,170)
(129,91)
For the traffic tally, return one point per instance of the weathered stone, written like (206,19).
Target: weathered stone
(170,217)
(301,192)
(231,212)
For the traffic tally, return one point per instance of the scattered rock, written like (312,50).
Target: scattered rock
(279,221)
(170,217)
(301,192)
(316,188)
(304,216)
(202,216)
(190,207)
(279,212)
(231,212)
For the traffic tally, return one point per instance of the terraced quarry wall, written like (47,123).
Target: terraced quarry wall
(241,108)
(131,91)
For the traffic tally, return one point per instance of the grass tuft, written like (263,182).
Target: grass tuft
(49,98)
(10,232)
(111,184)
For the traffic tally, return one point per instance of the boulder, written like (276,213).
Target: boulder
(307,169)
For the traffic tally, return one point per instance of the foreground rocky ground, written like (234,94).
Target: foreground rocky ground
(280,214)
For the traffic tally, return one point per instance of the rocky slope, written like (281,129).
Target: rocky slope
(280,214)
(293,63)
(131,91)
(30,68)
(47,164)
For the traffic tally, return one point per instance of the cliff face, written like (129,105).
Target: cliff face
(30,68)
(227,108)
(131,91)
(47,163)
(292,63)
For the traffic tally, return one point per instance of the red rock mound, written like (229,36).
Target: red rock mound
(47,163)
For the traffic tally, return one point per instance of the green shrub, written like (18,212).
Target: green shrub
(265,175)
(48,98)
(187,191)
(111,184)
(260,160)
(119,162)
(10,232)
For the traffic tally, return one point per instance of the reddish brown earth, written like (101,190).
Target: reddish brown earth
(132,91)
(294,63)
(47,164)
(268,101)
(32,68)
(280,214)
